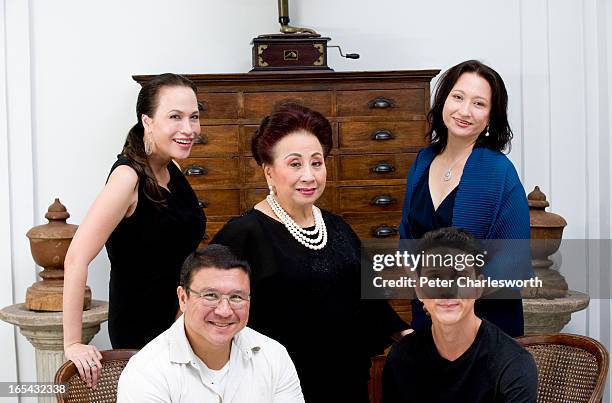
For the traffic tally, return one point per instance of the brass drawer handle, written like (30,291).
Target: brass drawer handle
(383,200)
(384,231)
(203,203)
(381,103)
(383,168)
(205,237)
(382,135)
(200,140)
(202,107)
(196,171)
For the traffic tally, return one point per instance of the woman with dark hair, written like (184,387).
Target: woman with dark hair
(149,218)
(305,263)
(462,179)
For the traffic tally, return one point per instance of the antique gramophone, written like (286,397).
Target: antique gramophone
(294,48)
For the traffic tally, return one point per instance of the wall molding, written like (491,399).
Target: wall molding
(8,372)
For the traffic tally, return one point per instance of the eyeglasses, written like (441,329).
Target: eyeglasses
(212,298)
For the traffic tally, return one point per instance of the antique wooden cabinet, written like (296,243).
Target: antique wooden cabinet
(378,121)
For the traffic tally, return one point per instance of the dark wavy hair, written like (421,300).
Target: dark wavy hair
(287,118)
(133,149)
(500,134)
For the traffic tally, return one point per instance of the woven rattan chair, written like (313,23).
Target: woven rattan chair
(571,368)
(113,362)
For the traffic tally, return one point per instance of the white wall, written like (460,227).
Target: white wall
(67,99)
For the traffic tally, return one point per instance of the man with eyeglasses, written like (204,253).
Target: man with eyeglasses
(208,354)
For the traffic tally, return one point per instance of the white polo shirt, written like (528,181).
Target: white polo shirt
(167,370)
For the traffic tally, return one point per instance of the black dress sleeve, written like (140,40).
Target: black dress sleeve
(377,320)
(244,236)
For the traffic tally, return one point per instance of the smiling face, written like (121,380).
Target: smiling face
(467,108)
(298,170)
(175,123)
(212,328)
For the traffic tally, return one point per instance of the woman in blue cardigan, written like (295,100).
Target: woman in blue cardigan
(462,179)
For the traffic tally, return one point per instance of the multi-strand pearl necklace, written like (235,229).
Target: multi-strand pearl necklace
(300,234)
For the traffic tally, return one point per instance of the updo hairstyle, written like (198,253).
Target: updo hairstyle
(287,118)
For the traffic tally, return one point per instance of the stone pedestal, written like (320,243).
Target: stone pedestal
(551,315)
(549,308)
(45,331)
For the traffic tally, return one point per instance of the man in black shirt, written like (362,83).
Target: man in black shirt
(460,358)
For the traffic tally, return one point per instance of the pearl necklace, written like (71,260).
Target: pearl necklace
(300,234)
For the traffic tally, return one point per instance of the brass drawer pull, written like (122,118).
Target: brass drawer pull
(205,237)
(384,231)
(381,135)
(200,140)
(202,106)
(203,203)
(383,168)
(381,103)
(383,200)
(195,171)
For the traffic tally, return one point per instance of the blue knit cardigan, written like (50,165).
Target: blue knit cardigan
(490,202)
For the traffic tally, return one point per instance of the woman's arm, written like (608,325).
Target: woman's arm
(117,199)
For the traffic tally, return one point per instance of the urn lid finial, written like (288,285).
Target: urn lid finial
(537,199)
(57,211)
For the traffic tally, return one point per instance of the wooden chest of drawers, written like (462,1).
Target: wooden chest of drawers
(378,121)
(379,124)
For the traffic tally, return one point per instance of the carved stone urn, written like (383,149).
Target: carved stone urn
(548,308)
(49,244)
(546,233)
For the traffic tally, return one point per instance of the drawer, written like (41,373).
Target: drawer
(246,134)
(381,102)
(220,202)
(202,171)
(375,226)
(254,196)
(374,166)
(216,139)
(218,105)
(211,229)
(260,104)
(371,198)
(381,136)
(403,308)
(253,173)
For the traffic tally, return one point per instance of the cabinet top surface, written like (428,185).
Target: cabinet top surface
(305,76)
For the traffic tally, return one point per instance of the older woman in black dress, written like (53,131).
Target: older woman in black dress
(306,262)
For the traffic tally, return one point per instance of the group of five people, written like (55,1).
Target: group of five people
(293,270)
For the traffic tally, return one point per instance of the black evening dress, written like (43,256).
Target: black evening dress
(310,302)
(146,252)
(424,217)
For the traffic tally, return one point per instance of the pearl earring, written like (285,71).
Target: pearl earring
(272,191)
(487,131)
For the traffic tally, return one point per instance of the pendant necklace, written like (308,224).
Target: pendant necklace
(448,175)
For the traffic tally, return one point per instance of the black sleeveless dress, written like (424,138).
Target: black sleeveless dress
(146,252)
